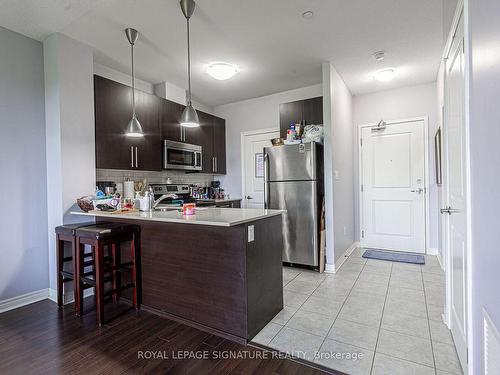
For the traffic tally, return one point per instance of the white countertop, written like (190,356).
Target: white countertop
(223,217)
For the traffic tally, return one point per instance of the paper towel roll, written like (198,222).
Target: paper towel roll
(128,189)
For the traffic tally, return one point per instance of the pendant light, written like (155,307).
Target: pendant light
(134,128)
(189,118)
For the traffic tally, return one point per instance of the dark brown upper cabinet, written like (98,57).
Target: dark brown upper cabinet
(113,111)
(219,145)
(160,119)
(308,110)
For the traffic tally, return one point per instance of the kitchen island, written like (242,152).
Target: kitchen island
(219,270)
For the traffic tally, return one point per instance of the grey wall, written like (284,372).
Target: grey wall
(70,138)
(23,222)
(481,24)
(402,103)
(339,184)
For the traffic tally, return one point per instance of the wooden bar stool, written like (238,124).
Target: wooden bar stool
(108,268)
(66,234)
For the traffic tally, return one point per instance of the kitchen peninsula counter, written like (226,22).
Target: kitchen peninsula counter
(224,217)
(219,270)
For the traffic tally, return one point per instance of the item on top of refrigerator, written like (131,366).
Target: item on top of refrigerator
(277,141)
(290,134)
(313,133)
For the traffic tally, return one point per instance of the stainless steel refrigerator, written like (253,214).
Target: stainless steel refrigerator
(293,176)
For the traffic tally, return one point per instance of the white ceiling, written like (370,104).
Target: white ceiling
(275,48)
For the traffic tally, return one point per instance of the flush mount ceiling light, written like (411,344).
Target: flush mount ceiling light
(308,14)
(222,71)
(189,118)
(385,75)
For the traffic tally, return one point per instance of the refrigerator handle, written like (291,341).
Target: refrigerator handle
(266,180)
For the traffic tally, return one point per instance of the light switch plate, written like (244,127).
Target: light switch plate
(251,233)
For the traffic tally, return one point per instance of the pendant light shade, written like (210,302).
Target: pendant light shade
(189,118)
(134,128)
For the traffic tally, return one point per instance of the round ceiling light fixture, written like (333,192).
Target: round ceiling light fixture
(385,75)
(308,14)
(222,71)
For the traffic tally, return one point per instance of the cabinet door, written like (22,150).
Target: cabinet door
(171,113)
(113,111)
(149,150)
(219,145)
(203,136)
(290,113)
(313,111)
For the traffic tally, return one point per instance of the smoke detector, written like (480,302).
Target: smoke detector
(308,14)
(379,55)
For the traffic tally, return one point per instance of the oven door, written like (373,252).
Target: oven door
(177,155)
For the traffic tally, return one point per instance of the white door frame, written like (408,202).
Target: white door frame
(242,154)
(460,9)
(425,119)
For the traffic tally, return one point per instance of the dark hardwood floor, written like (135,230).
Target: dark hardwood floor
(40,339)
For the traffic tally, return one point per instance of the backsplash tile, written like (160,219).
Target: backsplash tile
(178,177)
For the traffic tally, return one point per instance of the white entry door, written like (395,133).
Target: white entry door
(456,194)
(393,186)
(253,166)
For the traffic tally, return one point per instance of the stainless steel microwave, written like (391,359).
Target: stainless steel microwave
(178,155)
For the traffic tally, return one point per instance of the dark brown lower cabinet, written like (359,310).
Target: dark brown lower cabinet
(211,277)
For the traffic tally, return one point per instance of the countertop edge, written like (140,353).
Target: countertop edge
(180,221)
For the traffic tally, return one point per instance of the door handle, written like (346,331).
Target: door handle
(136,163)
(419,190)
(266,183)
(132,156)
(249,197)
(448,210)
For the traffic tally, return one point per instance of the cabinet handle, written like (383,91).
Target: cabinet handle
(132,156)
(213,164)
(182,133)
(136,163)
(216,164)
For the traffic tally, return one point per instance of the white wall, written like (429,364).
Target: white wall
(253,114)
(406,102)
(482,34)
(339,183)
(123,78)
(70,138)
(23,223)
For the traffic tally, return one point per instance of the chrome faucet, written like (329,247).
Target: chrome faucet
(163,197)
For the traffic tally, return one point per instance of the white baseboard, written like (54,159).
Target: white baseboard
(333,268)
(23,300)
(432,251)
(69,297)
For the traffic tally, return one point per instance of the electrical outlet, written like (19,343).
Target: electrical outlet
(251,233)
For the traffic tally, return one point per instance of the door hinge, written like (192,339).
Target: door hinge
(362,234)
(362,188)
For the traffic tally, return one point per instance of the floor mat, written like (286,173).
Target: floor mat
(394,256)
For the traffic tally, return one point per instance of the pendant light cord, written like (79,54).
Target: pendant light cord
(133,80)
(189,63)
